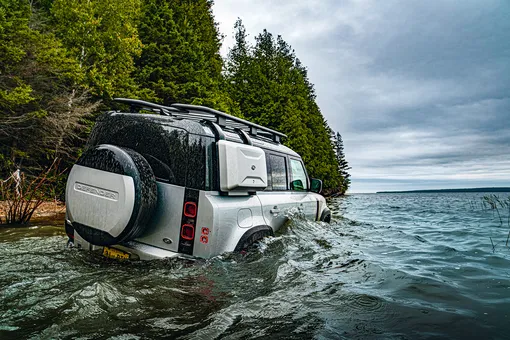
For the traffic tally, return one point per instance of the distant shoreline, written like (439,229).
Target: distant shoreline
(497,189)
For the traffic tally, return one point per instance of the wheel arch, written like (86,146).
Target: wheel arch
(252,235)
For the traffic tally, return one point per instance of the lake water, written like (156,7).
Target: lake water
(390,266)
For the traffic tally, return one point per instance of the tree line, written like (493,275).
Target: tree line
(62,62)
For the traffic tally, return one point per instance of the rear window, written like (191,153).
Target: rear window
(176,157)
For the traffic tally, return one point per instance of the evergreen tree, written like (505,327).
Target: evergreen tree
(271,88)
(236,67)
(55,54)
(180,61)
(343,166)
(37,119)
(102,37)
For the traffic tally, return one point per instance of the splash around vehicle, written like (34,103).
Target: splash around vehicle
(183,181)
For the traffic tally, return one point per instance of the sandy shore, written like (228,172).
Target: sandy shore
(51,209)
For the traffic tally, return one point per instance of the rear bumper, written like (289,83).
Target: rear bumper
(137,250)
(146,252)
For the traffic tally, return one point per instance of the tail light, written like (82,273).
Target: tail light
(188,221)
(190,209)
(188,232)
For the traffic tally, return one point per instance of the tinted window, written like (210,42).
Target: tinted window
(278,172)
(175,156)
(166,153)
(199,162)
(299,179)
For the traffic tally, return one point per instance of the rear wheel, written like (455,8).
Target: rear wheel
(251,237)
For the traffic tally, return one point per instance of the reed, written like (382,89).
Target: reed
(494,202)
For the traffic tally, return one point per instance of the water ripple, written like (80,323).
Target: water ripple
(389,266)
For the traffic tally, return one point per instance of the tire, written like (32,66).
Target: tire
(326,216)
(120,161)
(252,236)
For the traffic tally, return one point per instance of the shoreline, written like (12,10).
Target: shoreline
(48,210)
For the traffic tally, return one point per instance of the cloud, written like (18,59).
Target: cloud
(420,91)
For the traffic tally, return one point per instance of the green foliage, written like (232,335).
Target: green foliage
(36,72)
(180,60)
(60,58)
(271,87)
(102,37)
(20,94)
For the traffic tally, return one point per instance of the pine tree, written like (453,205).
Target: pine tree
(102,37)
(271,88)
(236,67)
(343,165)
(180,60)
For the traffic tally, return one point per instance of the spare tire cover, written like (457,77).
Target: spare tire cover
(111,194)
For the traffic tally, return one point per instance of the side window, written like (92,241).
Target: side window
(299,179)
(278,172)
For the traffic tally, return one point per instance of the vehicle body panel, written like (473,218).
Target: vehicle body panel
(163,231)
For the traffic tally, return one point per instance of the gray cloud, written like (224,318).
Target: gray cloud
(419,90)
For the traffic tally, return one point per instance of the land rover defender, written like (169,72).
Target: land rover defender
(183,180)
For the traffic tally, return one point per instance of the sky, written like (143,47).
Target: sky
(419,90)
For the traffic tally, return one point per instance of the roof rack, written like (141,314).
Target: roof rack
(202,113)
(135,105)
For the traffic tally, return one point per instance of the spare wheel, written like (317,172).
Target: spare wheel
(111,194)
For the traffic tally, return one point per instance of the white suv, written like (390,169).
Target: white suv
(188,181)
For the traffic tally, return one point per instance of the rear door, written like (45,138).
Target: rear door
(276,200)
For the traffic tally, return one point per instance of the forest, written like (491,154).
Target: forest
(63,61)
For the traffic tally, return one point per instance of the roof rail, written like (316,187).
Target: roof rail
(201,113)
(136,104)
